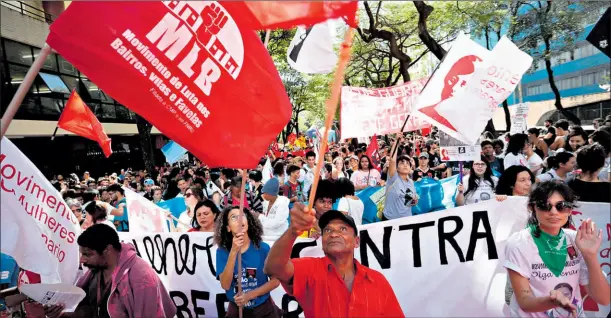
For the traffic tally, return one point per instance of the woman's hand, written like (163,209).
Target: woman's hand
(460,188)
(238,241)
(242,299)
(562,301)
(501,197)
(54,311)
(588,239)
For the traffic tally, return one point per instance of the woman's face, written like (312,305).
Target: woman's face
(525,147)
(157,195)
(479,167)
(523,184)
(364,163)
(205,218)
(339,164)
(234,225)
(532,138)
(190,199)
(569,165)
(404,167)
(553,219)
(78,212)
(328,158)
(576,142)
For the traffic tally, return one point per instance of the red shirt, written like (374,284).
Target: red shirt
(321,292)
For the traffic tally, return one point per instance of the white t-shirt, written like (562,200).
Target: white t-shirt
(354,208)
(522,256)
(307,177)
(533,162)
(275,222)
(484,191)
(513,160)
(107,222)
(186,219)
(361,178)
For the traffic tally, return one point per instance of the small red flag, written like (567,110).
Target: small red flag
(78,118)
(373,152)
(289,14)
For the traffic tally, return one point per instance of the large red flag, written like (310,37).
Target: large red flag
(373,152)
(193,69)
(288,14)
(77,118)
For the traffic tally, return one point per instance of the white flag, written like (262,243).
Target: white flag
(267,172)
(144,215)
(311,50)
(38,228)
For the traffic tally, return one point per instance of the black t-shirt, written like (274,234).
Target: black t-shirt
(421,174)
(98,310)
(434,160)
(591,191)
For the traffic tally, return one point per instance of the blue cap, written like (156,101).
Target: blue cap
(149,182)
(271,187)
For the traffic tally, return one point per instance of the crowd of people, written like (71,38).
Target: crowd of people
(560,164)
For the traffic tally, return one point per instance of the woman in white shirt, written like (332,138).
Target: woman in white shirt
(366,176)
(515,149)
(547,262)
(478,186)
(533,160)
(563,163)
(348,202)
(338,169)
(193,195)
(275,214)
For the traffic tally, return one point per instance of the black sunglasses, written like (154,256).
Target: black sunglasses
(561,206)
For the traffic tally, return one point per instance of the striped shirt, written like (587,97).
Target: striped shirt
(321,292)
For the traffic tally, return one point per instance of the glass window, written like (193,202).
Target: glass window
(17,52)
(50,62)
(123,113)
(65,67)
(55,83)
(17,74)
(50,106)
(93,89)
(589,112)
(587,79)
(109,111)
(71,82)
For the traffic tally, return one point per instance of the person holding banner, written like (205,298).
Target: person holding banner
(401,193)
(478,185)
(193,195)
(205,216)
(245,238)
(547,261)
(515,149)
(335,285)
(366,175)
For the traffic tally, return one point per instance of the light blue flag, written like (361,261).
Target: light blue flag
(176,206)
(435,195)
(173,151)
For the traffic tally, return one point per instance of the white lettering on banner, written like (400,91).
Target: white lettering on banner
(144,216)
(38,228)
(367,112)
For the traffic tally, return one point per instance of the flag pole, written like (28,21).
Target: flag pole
(240,216)
(54,132)
(23,89)
(336,86)
(267,34)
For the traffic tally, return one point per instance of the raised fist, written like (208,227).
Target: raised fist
(214,18)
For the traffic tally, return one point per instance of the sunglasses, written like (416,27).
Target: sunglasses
(188,195)
(561,206)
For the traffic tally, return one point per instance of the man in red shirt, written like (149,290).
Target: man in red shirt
(336,285)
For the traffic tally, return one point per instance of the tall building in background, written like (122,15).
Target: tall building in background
(24,28)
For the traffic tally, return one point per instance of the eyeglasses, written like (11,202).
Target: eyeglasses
(479,164)
(188,195)
(561,206)
(77,210)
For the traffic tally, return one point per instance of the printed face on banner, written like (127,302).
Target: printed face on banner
(180,64)
(367,112)
(144,215)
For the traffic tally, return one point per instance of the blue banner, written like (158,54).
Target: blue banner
(176,206)
(173,151)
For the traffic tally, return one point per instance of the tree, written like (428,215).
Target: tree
(144,132)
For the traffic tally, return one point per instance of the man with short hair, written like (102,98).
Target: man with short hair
(307,172)
(119,282)
(435,163)
(496,164)
(148,184)
(562,130)
(548,123)
(182,186)
(597,123)
(336,285)
(292,188)
(499,147)
(117,194)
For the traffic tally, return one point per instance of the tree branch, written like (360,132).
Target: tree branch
(424,11)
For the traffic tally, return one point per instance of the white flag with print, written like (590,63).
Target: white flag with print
(311,50)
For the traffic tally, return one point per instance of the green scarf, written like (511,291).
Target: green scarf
(552,249)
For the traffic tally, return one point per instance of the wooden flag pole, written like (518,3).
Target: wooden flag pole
(23,89)
(336,87)
(240,216)
(267,34)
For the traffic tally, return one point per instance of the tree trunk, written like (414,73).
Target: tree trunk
(424,10)
(507,115)
(144,132)
(490,127)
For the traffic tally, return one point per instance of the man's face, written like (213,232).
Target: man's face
(339,238)
(595,124)
(488,150)
(182,185)
(147,188)
(85,176)
(295,174)
(547,124)
(322,205)
(104,183)
(92,186)
(92,259)
(311,161)
(498,149)
(113,195)
(78,212)
(105,196)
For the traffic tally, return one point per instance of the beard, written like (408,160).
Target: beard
(97,267)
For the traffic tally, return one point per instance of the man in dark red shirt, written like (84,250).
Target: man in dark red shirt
(336,285)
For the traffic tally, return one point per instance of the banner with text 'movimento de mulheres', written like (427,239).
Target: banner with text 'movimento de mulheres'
(194,69)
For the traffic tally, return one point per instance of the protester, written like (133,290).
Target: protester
(330,286)
(348,202)
(255,178)
(366,175)
(242,233)
(182,185)
(562,164)
(514,154)
(550,137)
(353,165)
(533,161)
(118,283)
(148,185)
(121,220)
(401,193)
(205,216)
(478,186)
(604,139)
(77,209)
(307,173)
(157,194)
(292,188)
(515,181)
(432,148)
(499,148)
(193,195)
(538,145)
(587,186)
(424,170)
(568,258)
(496,164)
(97,213)
(562,130)
(274,218)
(577,138)
(338,169)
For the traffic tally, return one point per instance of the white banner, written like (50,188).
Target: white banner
(144,216)
(366,112)
(311,50)
(519,115)
(38,228)
(456,255)
(452,149)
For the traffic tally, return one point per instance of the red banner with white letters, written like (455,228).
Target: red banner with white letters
(193,69)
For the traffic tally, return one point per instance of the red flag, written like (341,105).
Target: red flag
(289,14)
(373,152)
(78,118)
(193,69)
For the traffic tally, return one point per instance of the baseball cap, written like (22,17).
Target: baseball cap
(149,182)
(333,215)
(355,157)
(424,154)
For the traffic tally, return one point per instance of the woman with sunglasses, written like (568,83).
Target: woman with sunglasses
(479,185)
(546,256)
(242,233)
(193,195)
